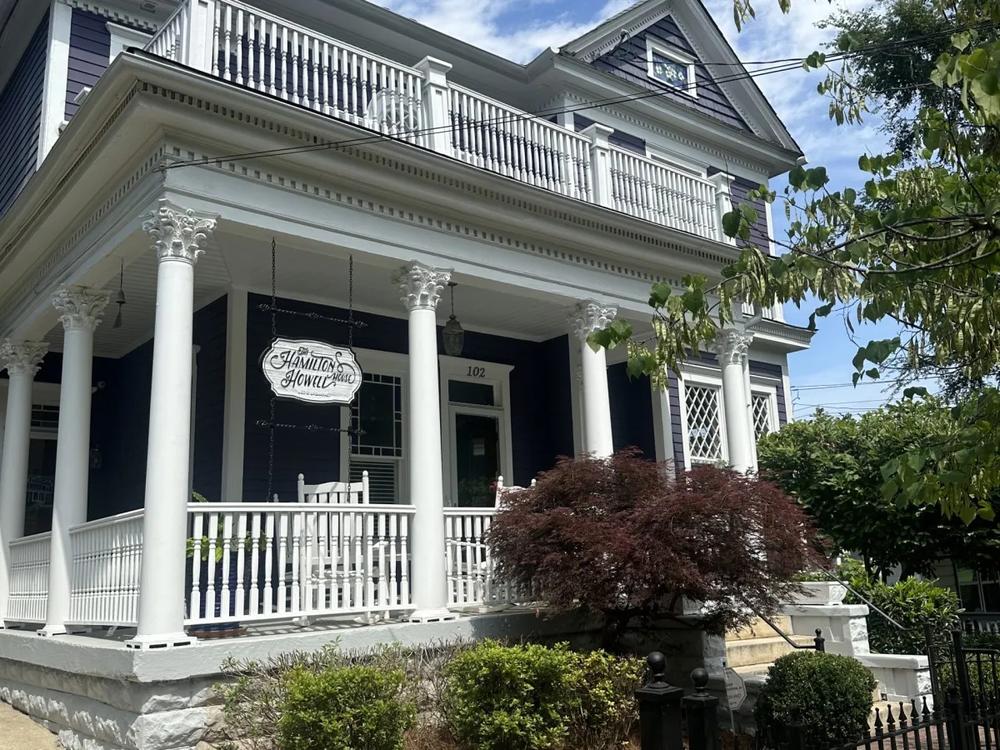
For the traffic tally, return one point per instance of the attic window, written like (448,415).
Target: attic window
(671,68)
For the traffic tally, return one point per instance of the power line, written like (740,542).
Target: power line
(779,67)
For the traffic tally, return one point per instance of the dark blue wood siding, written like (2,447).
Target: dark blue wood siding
(618,138)
(89,48)
(210,399)
(676,427)
(631,411)
(770,370)
(541,412)
(20,118)
(628,61)
(760,233)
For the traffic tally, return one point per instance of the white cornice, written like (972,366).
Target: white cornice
(119,15)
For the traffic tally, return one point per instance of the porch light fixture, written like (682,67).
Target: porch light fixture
(120,298)
(454,334)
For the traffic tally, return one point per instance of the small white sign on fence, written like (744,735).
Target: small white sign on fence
(311,371)
(736,689)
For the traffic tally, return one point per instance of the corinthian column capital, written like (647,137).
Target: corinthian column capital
(178,233)
(22,357)
(79,307)
(420,286)
(589,316)
(732,346)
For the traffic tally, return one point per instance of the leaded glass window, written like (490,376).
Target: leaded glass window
(377,417)
(703,425)
(762,422)
(670,71)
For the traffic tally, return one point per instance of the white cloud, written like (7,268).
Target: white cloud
(482,22)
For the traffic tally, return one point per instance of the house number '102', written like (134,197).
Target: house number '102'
(476,372)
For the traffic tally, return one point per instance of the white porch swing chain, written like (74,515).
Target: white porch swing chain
(272,424)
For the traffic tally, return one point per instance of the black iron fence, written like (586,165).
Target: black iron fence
(962,713)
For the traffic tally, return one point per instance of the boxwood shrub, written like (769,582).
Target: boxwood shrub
(533,697)
(828,694)
(344,708)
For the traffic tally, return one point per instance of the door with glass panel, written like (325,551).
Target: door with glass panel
(476,445)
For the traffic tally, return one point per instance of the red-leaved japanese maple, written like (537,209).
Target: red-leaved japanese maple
(625,538)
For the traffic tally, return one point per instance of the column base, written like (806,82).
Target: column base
(52,632)
(160,642)
(433,615)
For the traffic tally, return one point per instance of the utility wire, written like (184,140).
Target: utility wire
(779,67)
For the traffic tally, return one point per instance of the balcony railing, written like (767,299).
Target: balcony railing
(29,578)
(244,45)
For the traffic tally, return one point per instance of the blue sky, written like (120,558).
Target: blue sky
(519,29)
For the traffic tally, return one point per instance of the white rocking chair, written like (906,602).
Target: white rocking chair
(503,490)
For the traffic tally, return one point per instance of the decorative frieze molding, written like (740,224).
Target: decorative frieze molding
(22,357)
(590,316)
(732,346)
(178,233)
(80,307)
(420,286)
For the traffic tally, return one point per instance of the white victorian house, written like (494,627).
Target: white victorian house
(331,272)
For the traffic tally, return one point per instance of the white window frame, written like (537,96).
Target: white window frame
(710,379)
(374,362)
(492,373)
(758,388)
(691,89)
(122,37)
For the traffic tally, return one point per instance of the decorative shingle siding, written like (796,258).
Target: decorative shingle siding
(20,118)
(628,61)
(759,232)
(89,48)
(770,370)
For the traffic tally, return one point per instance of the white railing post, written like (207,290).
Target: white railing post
(600,163)
(21,360)
(179,237)
(723,202)
(436,119)
(197,44)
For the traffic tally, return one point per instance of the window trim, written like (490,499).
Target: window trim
(705,379)
(691,89)
(375,362)
(497,375)
(770,391)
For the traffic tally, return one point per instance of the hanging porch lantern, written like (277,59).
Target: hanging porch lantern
(120,298)
(454,334)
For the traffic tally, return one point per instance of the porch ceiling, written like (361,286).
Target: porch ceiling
(317,275)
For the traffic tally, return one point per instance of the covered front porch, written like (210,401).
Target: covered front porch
(186,498)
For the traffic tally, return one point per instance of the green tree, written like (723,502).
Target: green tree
(832,466)
(919,244)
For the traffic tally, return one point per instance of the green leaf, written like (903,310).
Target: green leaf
(731,223)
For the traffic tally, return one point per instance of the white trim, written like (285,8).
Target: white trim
(495,374)
(699,377)
(53,112)
(123,37)
(235,408)
(393,364)
(691,89)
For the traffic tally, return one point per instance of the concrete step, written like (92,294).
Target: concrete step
(760,629)
(760,650)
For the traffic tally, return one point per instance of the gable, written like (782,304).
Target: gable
(628,60)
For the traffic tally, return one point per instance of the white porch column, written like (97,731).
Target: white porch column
(420,288)
(732,346)
(21,360)
(179,237)
(590,316)
(80,311)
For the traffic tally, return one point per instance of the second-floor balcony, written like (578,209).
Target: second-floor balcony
(248,47)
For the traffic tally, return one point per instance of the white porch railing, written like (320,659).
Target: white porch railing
(107,561)
(469,563)
(237,42)
(254,562)
(268,54)
(29,578)
(490,134)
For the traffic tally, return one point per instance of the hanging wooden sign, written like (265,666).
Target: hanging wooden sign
(311,371)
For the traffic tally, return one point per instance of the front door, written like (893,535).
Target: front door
(477,458)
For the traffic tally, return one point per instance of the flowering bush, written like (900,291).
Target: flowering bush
(622,538)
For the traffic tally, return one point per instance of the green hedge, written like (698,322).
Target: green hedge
(828,694)
(533,697)
(344,708)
